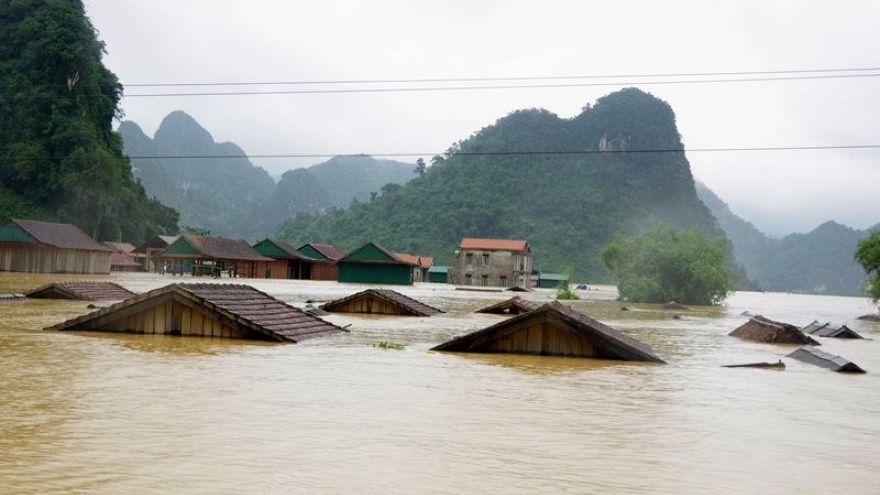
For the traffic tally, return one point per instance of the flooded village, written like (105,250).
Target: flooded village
(400,382)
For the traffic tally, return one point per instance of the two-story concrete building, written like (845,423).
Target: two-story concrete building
(492,263)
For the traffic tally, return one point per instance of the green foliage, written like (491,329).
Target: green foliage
(389,345)
(868,255)
(567,205)
(819,261)
(563,289)
(665,265)
(61,159)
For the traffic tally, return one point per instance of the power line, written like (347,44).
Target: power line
(503,153)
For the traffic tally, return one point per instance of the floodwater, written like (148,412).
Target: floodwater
(89,413)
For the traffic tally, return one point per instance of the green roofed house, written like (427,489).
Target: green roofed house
(43,247)
(213,256)
(373,264)
(289,263)
(551,280)
(438,274)
(326,257)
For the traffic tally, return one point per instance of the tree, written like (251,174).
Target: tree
(420,167)
(665,265)
(868,255)
(61,156)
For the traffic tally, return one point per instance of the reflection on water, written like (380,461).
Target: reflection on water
(114,413)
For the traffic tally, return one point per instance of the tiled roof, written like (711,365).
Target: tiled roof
(82,290)
(762,329)
(330,252)
(125,247)
(495,244)
(220,248)
(407,305)
(513,306)
(611,343)
(243,307)
(60,235)
(421,261)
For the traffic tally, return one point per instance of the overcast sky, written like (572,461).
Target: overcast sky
(221,41)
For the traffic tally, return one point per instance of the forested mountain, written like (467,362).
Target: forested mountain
(820,261)
(215,187)
(568,186)
(62,161)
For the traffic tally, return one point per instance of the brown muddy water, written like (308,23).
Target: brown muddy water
(88,413)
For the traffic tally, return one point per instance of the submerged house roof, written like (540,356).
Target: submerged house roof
(121,257)
(761,329)
(828,330)
(380,301)
(208,310)
(218,248)
(156,242)
(495,244)
(553,329)
(58,235)
(812,355)
(420,261)
(81,290)
(513,306)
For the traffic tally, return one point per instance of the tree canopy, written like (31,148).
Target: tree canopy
(665,265)
(60,159)
(868,255)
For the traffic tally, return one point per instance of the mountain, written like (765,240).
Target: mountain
(215,187)
(820,261)
(568,186)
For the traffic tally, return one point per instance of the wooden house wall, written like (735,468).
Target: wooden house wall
(325,271)
(172,317)
(369,305)
(52,260)
(274,269)
(544,339)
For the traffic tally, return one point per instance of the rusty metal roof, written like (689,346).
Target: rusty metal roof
(81,290)
(407,305)
(60,235)
(495,244)
(513,306)
(557,315)
(242,306)
(761,329)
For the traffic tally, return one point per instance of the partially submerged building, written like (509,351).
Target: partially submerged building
(147,251)
(288,262)
(81,290)
(123,258)
(205,310)
(553,329)
(828,330)
(326,264)
(213,256)
(761,329)
(421,265)
(492,263)
(812,355)
(373,264)
(380,301)
(43,247)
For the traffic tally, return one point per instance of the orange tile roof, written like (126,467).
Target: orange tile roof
(422,261)
(494,244)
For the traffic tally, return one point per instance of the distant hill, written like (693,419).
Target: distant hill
(820,261)
(568,186)
(216,188)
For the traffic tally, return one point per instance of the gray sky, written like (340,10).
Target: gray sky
(213,41)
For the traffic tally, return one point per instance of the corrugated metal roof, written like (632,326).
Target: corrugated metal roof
(812,355)
(289,250)
(241,306)
(81,290)
(829,330)
(328,251)
(495,244)
(60,235)
(554,314)
(408,305)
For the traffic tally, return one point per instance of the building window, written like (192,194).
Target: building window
(504,281)
(484,281)
(485,260)
(467,279)
(469,259)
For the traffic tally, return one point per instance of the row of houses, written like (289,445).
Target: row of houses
(34,246)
